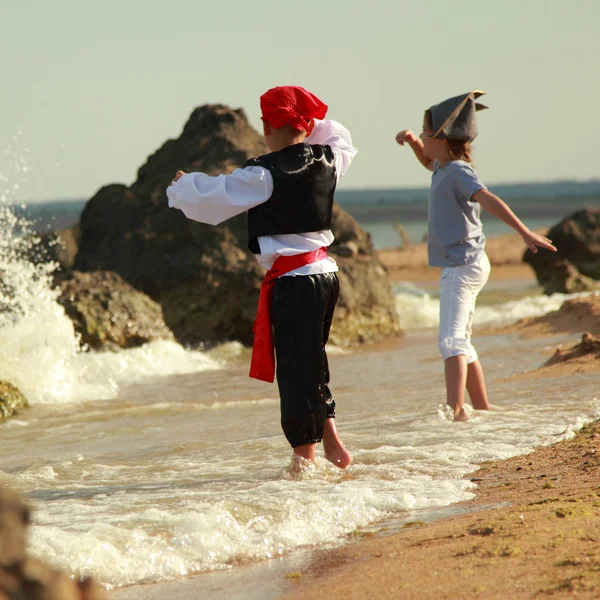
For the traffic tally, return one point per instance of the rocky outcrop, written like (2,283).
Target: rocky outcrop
(566,279)
(204,277)
(22,577)
(12,400)
(588,346)
(575,267)
(107,312)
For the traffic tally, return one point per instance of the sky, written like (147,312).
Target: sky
(89,90)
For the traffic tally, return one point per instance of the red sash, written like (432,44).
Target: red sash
(262,365)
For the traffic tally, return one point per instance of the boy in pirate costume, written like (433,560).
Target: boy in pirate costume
(455,240)
(288,194)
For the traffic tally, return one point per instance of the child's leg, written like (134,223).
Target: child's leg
(455,369)
(459,288)
(476,386)
(335,451)
(305,451)
(301,307)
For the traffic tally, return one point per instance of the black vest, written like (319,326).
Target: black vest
(304,180)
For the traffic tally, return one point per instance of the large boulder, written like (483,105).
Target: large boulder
(577,239)
(566,279)
(108,313)
(12,400)
(204,277)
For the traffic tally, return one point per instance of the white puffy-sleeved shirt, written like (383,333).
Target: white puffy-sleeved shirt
(213,200)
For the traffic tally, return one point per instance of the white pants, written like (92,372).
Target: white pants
(459,288)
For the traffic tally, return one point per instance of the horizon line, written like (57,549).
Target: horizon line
(592,181)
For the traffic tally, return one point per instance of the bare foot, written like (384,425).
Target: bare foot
(335,451)
(338,456)
(303,456)
(461,415)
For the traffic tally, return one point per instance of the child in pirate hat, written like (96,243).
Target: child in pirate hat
(288,195)
(455,239)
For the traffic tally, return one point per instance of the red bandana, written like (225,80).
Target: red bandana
(291,105)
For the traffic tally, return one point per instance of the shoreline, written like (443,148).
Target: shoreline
(547,510)
(544,504)
(525,506)
(539,535)
(532,530)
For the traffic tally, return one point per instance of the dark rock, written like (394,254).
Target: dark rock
(366,309)
(107,312)
(204,277)
(589,345)
(566,279)
(347,250)
(577,239)
(11,400)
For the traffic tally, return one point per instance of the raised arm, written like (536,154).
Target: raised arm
(331,133)
(213,200)
(497,207)
(406,136)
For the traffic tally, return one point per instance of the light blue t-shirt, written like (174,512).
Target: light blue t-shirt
(455,234)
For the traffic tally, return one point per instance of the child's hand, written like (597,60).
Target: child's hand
(533,240)
(406,135)
(178,175)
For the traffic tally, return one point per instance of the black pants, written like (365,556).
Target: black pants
(301,315)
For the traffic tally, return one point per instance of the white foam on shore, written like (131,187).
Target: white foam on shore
(258,522)
(419,310)
(124,524)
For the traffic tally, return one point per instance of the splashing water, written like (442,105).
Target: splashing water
(39,349)
(36,338)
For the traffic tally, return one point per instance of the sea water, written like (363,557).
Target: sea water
(148,464)
(158,462)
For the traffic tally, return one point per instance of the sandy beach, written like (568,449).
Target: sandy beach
(141,203)
(533,531)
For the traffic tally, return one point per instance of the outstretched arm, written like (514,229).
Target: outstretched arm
(497,207)
(406,136)
(213,200)
(331,133)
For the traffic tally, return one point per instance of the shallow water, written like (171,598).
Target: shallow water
(150,464)
(189,472)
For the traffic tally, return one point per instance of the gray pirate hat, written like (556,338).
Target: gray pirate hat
(455,118)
